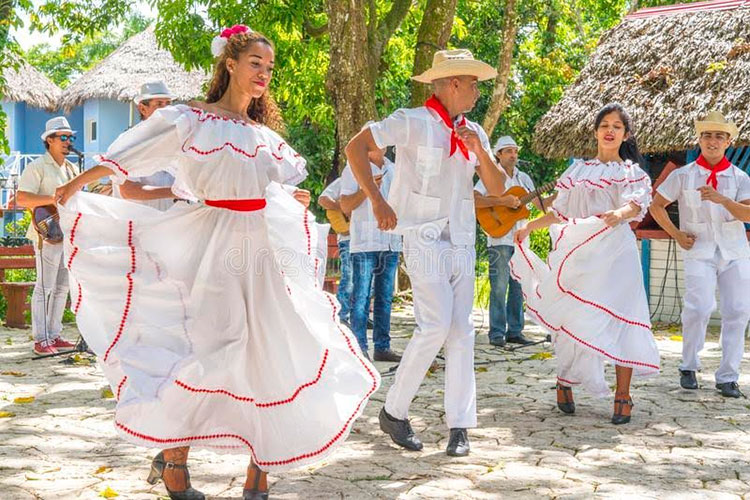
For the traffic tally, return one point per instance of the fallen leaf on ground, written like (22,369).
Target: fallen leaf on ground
(31,477)
(108,493)
(6,414)
(14,374)
(541,355)
(8,341)
(102,469)
(510,380)
(24,400)
(481,369)
(107,393)
(676,338)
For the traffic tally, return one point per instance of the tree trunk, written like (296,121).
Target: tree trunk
(356,49)
(434,31)
(499,100)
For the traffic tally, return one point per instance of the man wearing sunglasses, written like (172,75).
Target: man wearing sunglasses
(36,187)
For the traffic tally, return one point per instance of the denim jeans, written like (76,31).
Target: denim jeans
(380,268)
(344,293)
(506,299)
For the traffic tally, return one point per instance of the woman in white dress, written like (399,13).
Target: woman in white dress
(589,294)
(209,319)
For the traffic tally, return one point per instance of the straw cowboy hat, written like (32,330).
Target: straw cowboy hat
(458,62)
(715,122)
(55,125)
(153,90)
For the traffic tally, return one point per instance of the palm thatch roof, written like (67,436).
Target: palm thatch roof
(666,70)
(27,84)
(120,75)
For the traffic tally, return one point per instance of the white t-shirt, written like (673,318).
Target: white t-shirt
(431,188)
(711,223)
(363,227)
(518,179)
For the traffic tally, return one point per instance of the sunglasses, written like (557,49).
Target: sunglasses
(66,137)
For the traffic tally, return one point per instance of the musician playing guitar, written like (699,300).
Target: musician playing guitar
(506,314)
(36,188)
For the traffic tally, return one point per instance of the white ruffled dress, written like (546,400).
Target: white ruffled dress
(211,324)
(589,294)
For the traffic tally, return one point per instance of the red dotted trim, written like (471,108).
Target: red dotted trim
(204,115)
(129,277)
(245,399)
(119,386)
(113,162)
(588,302)
(247,443)
(78,299)
(608,182)
(234,148)
(574,337)
(559,237)
(72,239)
(569,382)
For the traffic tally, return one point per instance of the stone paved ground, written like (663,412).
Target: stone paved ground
(681,444)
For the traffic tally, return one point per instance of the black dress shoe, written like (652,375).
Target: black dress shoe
(387,355)
(688,380)
(618,418)
(400,431)
(498,342)
(729,389)
(520,339)
(458,443)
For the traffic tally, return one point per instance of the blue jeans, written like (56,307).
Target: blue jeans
(379,267)
(344,293)
(506,299)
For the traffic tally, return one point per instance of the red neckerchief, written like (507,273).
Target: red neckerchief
(722,165)
(456,143)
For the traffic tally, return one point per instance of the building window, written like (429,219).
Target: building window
(91,130)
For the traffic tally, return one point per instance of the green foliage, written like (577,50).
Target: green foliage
(64,64)
(21,226)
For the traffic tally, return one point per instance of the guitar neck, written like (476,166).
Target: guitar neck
(526,199)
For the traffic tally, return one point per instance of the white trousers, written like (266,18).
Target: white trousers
(701,276)
(442,280)
(50,266)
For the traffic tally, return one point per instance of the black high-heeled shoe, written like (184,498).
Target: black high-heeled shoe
(618,418)
(569,405)
(254,493)
(157,472)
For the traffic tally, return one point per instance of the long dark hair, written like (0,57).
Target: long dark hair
(263,109)
(629,147)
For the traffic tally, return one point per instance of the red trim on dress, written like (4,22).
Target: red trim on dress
(246,399)
(119,386)
(609,182)
(113,162)
(129,277)
(77,305)
(569,382)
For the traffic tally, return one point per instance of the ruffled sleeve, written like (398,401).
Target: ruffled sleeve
(636,188)
(560,205)
(150,146)
(288,165)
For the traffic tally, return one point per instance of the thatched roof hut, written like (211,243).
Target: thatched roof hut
(120,75)
(668,67)
(27,84)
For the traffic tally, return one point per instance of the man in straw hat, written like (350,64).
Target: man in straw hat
(156,189)
(431,204)
(714,201)
(36,188)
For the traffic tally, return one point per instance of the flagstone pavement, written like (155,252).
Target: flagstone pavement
(680,445)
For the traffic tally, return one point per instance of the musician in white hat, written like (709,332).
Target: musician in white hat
(714,201)
(431,204)
(156,189)
(36,188)
(506,297)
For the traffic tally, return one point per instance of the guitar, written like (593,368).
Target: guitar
(498,221)
(339,222)
(46,220)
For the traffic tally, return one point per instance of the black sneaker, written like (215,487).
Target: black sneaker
(458,443)
(729,389)
(520,339)
(400,431)
(688,380)
(498,341)
(387,355)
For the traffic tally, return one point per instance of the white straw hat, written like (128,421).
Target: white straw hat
(715,122)
(55,125)
(503,142)
(153,90)
(458,62)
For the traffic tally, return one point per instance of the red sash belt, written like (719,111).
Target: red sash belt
(238,205)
